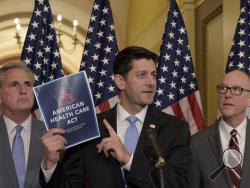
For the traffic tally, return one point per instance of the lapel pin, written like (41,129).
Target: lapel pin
(152,126)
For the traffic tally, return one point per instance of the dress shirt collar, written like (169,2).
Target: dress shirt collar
(122,114)
(241,128)
(11,125)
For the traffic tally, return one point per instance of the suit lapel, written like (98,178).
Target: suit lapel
(35,151)
(215,141)
(246,160)
(6,155)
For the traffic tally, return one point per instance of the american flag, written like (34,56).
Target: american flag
(40,51)
(239,56)
(177,91)
(98,55)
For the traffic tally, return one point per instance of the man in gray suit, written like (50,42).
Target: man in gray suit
(21,150)
(231,131)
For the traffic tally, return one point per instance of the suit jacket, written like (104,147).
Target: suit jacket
(8,177)
(207,152)
(82,167)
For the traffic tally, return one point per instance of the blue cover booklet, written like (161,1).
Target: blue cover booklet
(67,103)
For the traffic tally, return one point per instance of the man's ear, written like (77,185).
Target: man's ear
(119,81)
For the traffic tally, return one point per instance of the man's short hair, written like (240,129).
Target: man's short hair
(14,65)
(124,59)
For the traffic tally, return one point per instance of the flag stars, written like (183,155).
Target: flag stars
(92,68)
(103,72)
(159,91)
(162,80)
(56,54)
(241,54)
(88,41)
(187,58)
(112,27)
(93,18)
(169,46)
(241,43)
(97,45)
(46,9)
(53,65)
(242,21)
(185,68)
(96,6)
(105,10)
(100,34)
(90,29)
(27,61)
(47,49)
(105,61)
(39,53)
(38,65)
(172,85)
(111,89)
(173,24)
(181,91)
(34,24)
(90,80)
(176,62)
(175,74)
(157,103)
(240,65)
(107,49)
(183,79)
(37,12)
(241,32)
(164,68)
(29,49)
(98,95)
(182,30)
(110,38)
(175,13)
(180,41)
(50,37)
(192,85)
(32,37)
(171,35)
(170,96)
(100,84)
(95,57)
(167,57)
(103,22)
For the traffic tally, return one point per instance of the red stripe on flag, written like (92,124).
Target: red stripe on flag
(104,106)
(196,111)
(177,111)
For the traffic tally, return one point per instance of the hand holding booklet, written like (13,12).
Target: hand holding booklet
(67,103)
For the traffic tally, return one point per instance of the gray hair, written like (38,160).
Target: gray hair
(15,65)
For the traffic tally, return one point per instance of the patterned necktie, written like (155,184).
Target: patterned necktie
(132,134)
(18,156)
(235,173)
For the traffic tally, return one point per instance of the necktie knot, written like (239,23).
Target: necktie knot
(132,119)
(233,132)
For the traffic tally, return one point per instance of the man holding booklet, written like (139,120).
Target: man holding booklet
(123,156)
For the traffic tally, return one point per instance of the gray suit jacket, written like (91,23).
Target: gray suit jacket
(207,151)
(8,178)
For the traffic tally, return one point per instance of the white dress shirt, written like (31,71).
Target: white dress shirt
(26,132)
(225,135)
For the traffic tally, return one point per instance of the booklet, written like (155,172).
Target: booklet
(67,103)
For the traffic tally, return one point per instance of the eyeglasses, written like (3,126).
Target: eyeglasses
(235,90)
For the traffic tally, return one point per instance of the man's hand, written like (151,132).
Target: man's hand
(53,142)
(114,146)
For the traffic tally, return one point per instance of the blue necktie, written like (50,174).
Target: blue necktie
(18,156)
(132,134)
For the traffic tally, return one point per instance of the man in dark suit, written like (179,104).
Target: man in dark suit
(116,159)
(231,131)
(20,149)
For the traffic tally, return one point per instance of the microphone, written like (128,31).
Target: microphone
(151,136)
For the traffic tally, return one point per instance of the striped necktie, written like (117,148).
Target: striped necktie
(235,173)
(18,156)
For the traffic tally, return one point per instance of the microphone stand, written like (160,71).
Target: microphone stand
(160,163)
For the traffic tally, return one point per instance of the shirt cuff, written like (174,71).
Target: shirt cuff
(128,165)
(48,173)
